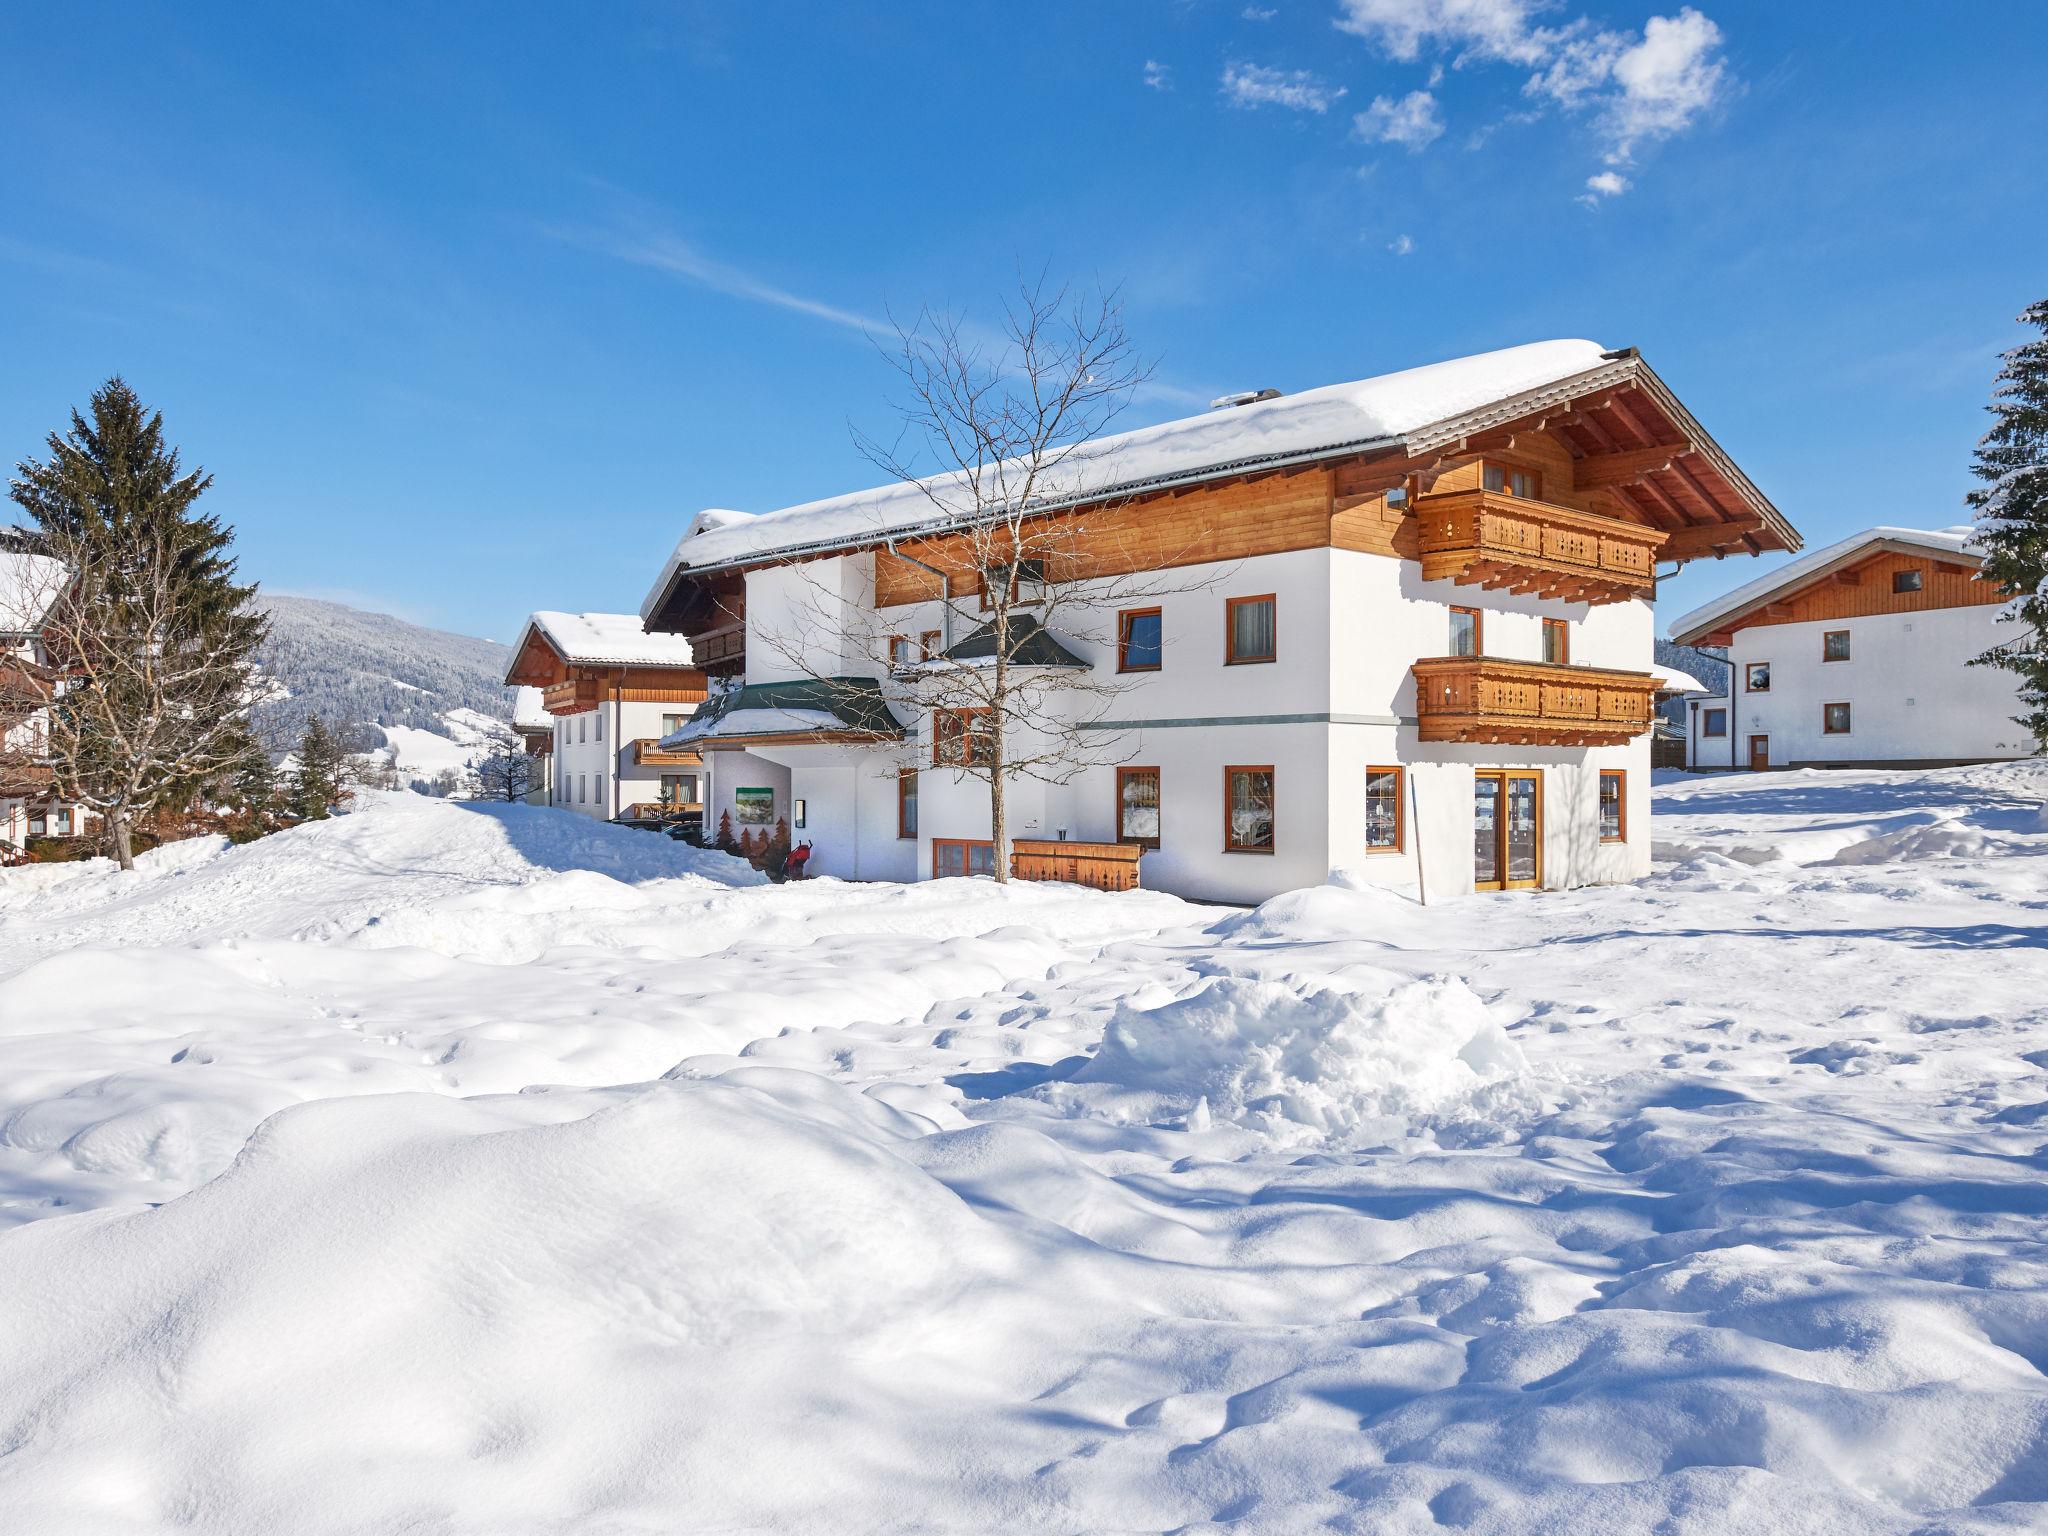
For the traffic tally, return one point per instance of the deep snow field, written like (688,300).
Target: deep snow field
(459,1169)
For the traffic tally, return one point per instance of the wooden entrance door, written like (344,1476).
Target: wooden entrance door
(1759,752)
(1507,829)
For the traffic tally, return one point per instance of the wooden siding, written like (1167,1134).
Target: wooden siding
(1864,590)
(584,688)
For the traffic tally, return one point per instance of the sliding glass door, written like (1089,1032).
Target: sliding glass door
(1507,829)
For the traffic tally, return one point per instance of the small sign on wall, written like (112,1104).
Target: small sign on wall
(753,807)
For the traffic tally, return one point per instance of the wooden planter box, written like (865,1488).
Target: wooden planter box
(1105,866)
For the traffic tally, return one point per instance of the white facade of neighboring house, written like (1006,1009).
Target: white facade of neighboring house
(535,728)
(30,585)
(1859,654)
(1344,765)
(608,692)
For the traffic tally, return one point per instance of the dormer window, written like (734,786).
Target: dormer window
(1506,480)
(1026,580)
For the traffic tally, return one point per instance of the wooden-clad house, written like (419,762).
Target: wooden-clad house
(30,586)
(1404,630)
(1858,655)
(610,692)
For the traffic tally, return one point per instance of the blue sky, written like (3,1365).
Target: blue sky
(467,307)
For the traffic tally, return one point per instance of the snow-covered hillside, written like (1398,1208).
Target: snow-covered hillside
(481,1169)
(432,700)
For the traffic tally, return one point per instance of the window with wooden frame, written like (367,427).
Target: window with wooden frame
(1467,633)
(1248,809)
(1756,677)
(1834,645)
(1137,806)
(961,737)
(900,654)
(957,857)
(1557,642)
(1250,626)
(1912,579)
(1506,480)
(1385,812)
(1026,582)
(1834,719)
(1613,805)
(1139,640)
(928,644)
(906,803)
(1713,722)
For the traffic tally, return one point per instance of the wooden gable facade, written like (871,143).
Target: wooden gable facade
(1862,584)
(570,688)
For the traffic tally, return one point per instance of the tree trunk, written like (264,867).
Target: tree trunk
(124,842)
(998,817)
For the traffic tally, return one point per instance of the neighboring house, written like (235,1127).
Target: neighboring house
(1407,634)
(535,728)
(610,692)
(1858,654)
(30,585)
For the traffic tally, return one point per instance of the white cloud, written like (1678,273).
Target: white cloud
(1644,88)
(679,259)
(1474,29)
(1412,122)
(1159,76)
(1299,90)
(1401,245)
(1604,184)
(1258,13)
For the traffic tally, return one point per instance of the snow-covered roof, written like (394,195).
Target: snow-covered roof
(1314,423)
(29,587)
(1953,543)
(527,711)
(1671,680)
(605,640)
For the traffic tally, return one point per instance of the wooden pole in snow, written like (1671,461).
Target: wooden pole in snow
(1415,827)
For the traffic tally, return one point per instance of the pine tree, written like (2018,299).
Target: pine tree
(2011,509)
(154,633)
(319,777)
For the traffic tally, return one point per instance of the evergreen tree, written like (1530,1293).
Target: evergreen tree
(2011,510)
(320,775)
(154,633)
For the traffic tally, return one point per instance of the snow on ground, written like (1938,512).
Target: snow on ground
(465,1169)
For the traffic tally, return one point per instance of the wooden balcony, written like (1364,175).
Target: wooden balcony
(1512,544)
(647,753)
(660,810)
(1530,703)
(1105,866)
(720,652)
(570,697)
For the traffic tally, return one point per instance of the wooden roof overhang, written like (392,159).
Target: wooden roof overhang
(1773,604)
(535,662)
(1625,430)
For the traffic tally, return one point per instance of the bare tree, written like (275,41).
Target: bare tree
(1024,544)
(508,773)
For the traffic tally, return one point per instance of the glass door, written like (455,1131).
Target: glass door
(1487,793)
(1507,829)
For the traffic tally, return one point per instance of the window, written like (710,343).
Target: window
(1250,623)
(1557,641)
(1509,481)
(961,737)
(1834,645)
(1908,581)
(583,727)
(1756,677)
(1026,582)
(1138,640)
(1248,810)
(1383,810)
(899,651)
(1465,632)
(1137,806)
(583,789)
(1613,805)
(38,823)
(670,724)
(1834,719)
(906,802)
(954,857)
(679,789)
(928,645)
(600,725)
(1714,722)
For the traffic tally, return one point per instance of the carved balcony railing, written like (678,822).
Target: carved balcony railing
(720,652)
(1512,544)
(648,753)
(1530,703)
(1105,866)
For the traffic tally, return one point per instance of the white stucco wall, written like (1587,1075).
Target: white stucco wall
(1912,696)
(603,768)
